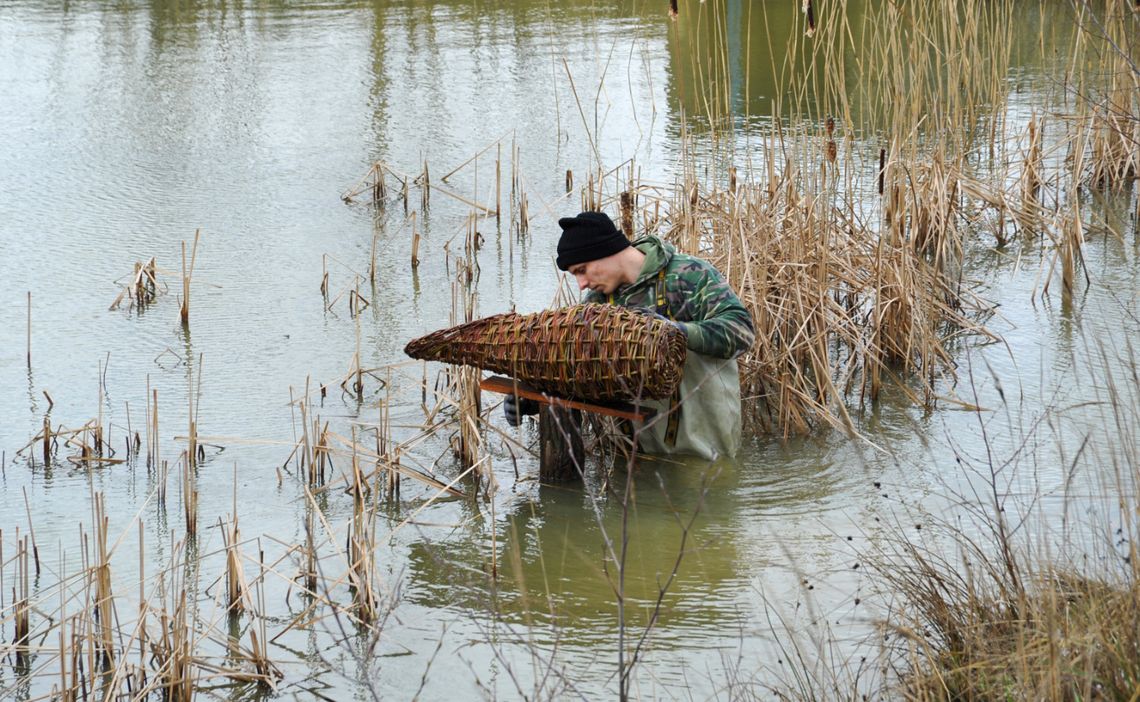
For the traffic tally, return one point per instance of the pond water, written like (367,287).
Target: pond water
(128,126)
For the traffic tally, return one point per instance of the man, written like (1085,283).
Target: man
(651,275)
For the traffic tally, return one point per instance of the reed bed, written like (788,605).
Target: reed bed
(853,262)
(838,306)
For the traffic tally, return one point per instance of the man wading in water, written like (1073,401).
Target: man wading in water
(650,275)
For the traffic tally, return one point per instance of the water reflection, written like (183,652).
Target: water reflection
(555,556)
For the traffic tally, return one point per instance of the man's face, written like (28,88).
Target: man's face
(602,275)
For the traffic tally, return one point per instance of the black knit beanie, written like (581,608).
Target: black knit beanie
(588,237)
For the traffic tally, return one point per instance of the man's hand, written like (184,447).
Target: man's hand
(657,315)
(515,407)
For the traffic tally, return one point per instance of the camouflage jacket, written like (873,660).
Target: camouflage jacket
(695,295)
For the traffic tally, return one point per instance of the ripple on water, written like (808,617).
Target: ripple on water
(796,476)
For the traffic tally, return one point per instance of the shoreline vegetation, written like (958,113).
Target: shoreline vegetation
(850,237)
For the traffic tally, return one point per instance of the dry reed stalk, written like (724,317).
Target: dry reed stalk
(524,214)
(1072,237)
(373,182)
(189,494)
(1031,174)
(101,573)
(356,302)
(415,243)
(235,575)
(322,454)
(21,606)
(29,329)
(163,477)
(380,186)
(142,288)
(377,230)
(192,429)
(361,547)
(187,274)
(153,454)
(325,278)
(47,440)
(266,673)
(387,454)
(31,532)
(175,652)
(469,438)
(87,441)
(313,454)
(627,206)
(310,573)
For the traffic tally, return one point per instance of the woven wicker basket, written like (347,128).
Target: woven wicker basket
(589,352)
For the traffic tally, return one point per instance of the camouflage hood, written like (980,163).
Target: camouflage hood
(658,253)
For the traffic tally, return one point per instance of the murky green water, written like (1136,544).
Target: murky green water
(126,126)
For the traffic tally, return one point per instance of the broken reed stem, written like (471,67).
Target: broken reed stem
(189,496)
(29,330)
(415,243)
(372,260)
(523,200)
(468,440)
(32,531)
(379,186)
(235,577)
(361,545)
(104,599)
(384,445)
(310,574)
(268,674)
(627,214)
(47,440)
(324,277)
(187,274)
(22,607)
(1070,251)
(193,450)
(358,383)
(1031,174)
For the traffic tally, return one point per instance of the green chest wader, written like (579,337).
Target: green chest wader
(661,306)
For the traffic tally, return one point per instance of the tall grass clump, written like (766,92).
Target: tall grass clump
(1014,614)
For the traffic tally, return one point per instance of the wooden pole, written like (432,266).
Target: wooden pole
(561,449)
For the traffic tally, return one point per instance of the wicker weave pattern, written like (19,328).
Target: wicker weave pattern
(590,352)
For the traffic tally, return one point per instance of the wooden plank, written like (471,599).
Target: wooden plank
(622,410)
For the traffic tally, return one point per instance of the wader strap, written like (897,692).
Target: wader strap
(674,401)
